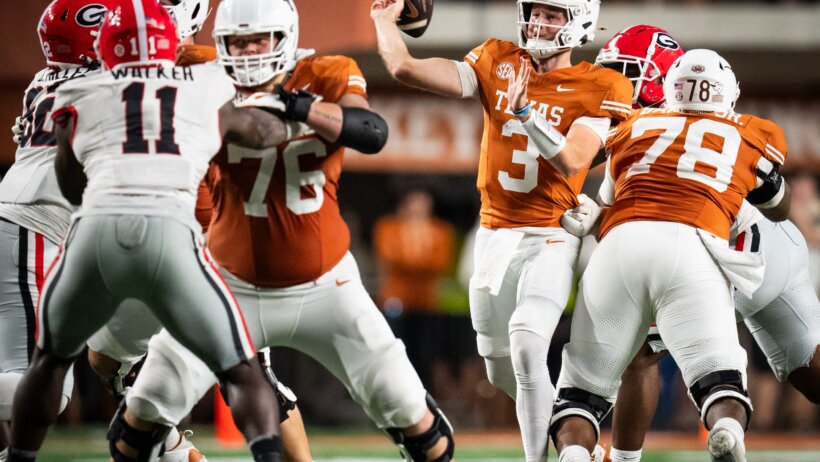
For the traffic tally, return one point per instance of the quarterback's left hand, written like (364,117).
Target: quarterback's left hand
(583,219)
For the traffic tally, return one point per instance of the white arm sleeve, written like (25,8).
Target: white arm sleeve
(599,125)
(469,82)
(606,194)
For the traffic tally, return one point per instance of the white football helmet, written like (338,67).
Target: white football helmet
(701,80)
(244,17)
(582,16)
(189,15)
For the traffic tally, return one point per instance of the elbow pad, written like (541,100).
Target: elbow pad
(362,130)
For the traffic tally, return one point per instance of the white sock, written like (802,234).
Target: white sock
(534,391)
(624,456)
(732,425)
(173,440)
(574,454)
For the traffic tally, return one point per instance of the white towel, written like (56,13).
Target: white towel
(743,269)
(496,259)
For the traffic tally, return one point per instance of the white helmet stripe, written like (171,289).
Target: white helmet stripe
(142,33)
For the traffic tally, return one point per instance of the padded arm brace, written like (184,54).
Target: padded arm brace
(546,138)
(362,130)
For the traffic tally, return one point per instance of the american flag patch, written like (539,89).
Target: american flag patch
(678,86)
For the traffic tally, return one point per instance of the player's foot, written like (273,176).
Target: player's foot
(725,446)
(184,451)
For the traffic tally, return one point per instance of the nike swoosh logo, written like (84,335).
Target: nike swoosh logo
(341,283)
(560,89)
(414,12)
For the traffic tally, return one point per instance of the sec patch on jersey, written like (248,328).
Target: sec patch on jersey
(415,17)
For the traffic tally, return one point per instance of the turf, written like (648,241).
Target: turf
(89,445)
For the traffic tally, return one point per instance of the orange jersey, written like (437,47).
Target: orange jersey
(276,220)
(518,187)
(693,169)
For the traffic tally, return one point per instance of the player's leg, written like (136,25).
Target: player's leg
(121,344)
(341,327)
(696,319)
(784,314)
(24,258)
(197,308)
(636,403)
(490,316)
(544,285)
(76,301)
(609,326)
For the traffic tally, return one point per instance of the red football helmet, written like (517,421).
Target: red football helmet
(643,54)
(137,32)
(68,29)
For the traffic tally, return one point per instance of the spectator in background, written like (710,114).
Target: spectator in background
(414,251)
(805,213)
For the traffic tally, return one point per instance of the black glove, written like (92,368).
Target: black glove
(297,103)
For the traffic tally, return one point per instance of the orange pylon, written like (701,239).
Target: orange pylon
(226,432)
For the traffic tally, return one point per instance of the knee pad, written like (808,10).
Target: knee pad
(148,444)
(284,395)
(579,403)
(414,448)
(719,385)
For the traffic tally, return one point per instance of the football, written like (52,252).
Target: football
(415,17)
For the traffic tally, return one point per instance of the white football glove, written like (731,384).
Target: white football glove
(262,100)
(17,129)
(581,220)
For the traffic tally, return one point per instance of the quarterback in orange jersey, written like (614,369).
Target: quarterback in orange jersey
(676,181)
(544,121)
(277,234)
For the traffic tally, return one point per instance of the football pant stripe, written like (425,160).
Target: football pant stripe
(242,343)
(25,289)
(48,288)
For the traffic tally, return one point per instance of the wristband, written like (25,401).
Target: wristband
(519,113)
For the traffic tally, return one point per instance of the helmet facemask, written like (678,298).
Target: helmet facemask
(257,69)
(276,18)
(581,17)
(638,70)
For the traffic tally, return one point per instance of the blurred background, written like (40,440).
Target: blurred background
(411,208)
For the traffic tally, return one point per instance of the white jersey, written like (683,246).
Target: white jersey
(746,217)
(145,136)
(29,195)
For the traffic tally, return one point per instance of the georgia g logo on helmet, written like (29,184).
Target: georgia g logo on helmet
(666,41)
(90,15)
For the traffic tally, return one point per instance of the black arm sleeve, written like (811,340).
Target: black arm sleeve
(362,130)
(772,182)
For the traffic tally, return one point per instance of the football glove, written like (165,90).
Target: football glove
(18,129)
(582,219)
(297,103)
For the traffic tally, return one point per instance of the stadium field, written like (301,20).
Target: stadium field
(89,445)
